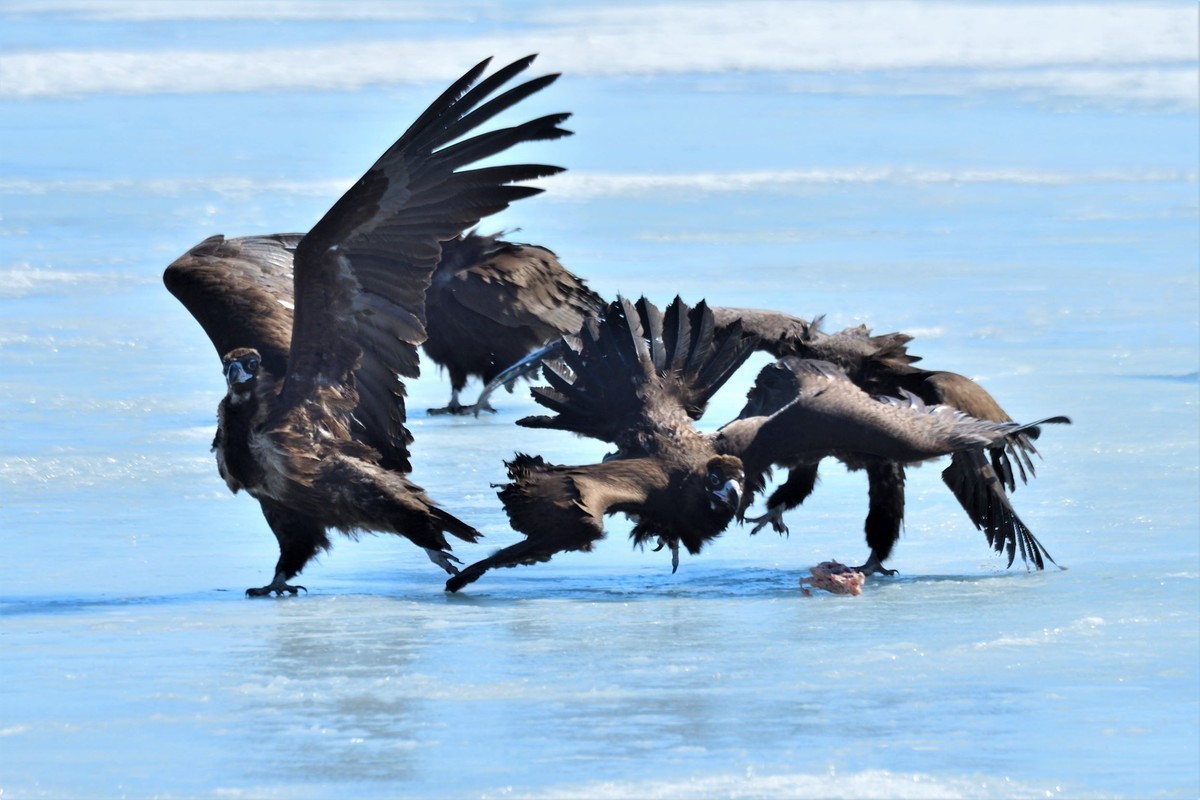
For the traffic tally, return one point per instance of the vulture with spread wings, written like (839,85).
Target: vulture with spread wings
(491,303)
(880,365)
(315,331)
(639,378)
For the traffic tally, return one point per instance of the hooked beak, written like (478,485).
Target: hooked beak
(728,496)
(235,374)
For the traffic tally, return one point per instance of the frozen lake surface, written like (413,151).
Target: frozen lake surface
(1026,205)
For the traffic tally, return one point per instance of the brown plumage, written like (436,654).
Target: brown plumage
(639,379)
(881,365)
(491,303)
(313,422)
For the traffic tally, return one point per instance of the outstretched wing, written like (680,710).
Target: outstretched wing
(639,372)
(830,415)
(240,291)
(981,494)
(361,273)
(968,396)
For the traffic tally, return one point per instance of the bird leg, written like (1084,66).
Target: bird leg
(774,517)
(453,407)
(801,480)
(874,566)
(443,559)
(277,587)
(674,545)
(458,409)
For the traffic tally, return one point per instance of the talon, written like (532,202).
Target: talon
(444,560)
(773,517)
(875,567)
(481,407)
(277,588)
(674,545)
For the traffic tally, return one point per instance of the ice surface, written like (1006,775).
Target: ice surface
(1042,240)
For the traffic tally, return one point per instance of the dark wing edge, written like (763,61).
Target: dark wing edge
(362,272)
(981,494)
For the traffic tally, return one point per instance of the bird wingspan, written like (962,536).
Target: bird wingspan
(638,368)
(240,291)
(362,272)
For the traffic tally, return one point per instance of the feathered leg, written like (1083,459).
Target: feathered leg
(885,488)
(299,540)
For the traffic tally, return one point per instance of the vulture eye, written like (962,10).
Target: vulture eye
(251,364)
(714,479)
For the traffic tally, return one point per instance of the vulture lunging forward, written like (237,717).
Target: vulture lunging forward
(491,303)
(639,379)
(881,365)
(313,422)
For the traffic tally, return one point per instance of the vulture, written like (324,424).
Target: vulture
(639,378)
(315,331)
(881,365)
(492,302)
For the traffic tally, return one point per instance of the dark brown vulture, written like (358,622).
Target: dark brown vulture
(315,331)
(639,379)
(881,365)
(491,303)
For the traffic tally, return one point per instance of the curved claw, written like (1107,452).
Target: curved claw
(875,567)
(443,559)
(454,408)
(773,517)
(674,545)
(459,410)
(278,589)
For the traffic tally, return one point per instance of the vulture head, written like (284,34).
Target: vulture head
(724,483)
(241,368)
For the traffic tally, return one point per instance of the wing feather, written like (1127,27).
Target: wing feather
(362,272)
(627,358)
(240,291)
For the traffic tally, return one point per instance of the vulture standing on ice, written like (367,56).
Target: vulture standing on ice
(639,379)
(314,331)
(491,303)
(881,366)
